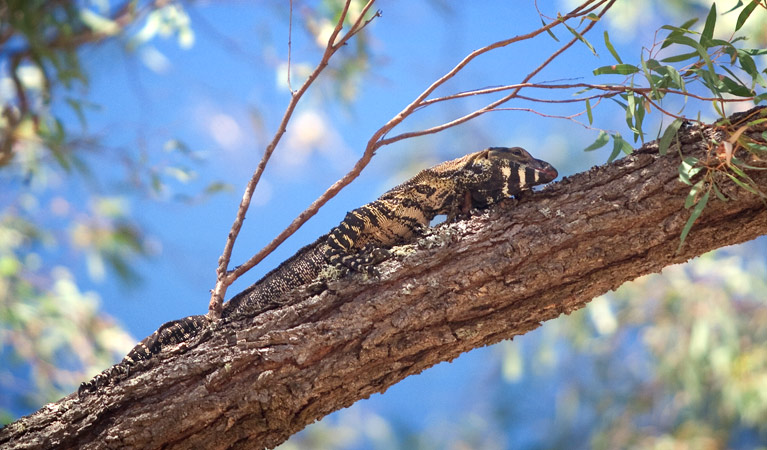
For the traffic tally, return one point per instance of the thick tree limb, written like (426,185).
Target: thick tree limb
(470,284)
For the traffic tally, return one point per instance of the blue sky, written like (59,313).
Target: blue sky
(208,95)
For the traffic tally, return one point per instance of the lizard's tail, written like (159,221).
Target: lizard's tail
(170,333)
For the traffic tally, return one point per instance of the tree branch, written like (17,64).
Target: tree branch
(469,284)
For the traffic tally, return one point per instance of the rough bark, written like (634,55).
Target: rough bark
(467,285)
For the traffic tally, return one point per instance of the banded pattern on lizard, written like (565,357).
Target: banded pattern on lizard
(363,238)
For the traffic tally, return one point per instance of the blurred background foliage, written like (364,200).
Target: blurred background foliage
(675,360)
(52,333)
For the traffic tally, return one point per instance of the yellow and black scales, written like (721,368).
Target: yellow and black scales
(363,238)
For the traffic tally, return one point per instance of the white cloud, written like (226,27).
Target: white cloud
(225,131)
(308,133)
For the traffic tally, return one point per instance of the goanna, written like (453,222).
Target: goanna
(363,238)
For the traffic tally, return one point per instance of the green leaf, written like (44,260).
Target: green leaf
(639,119)
(611,48)
(693,217)
(738,163)
(218,186)
(749,66)
(738,171)
(580,38)
(735,88)
(616,69)
(755,51)
(688,169)
(737,5)
(743,16)
(718,193)
(727,46)
(743,185)
(182,174)
(677,31)
(652,64)
(77,107)
(679,58)
(588,112)
(620,103)
(757,148)
(693,195)
(650,79)
(668,135)
(99,24)
(602,139)
(619,145)
(156,182)
(719,110)
(676,79)
(689,42)
(631,101)
(548,30)
(671,77)
(172,145)
(708,29)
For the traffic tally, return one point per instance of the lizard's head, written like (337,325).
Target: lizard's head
(499,172)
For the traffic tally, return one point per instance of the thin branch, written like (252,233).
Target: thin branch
(561,100)
(571,117)
(290,43)
(224,278)
(612,89)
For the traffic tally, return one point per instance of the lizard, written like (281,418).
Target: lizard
(363,239)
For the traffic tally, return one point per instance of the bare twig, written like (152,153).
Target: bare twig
(225,278)
(290,44)
(610,89)
(571,117)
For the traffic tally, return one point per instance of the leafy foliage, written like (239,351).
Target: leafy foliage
(52,335)
(724,71)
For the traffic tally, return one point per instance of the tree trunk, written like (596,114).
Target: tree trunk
(255,382)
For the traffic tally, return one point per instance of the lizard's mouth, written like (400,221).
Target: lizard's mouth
(548,173)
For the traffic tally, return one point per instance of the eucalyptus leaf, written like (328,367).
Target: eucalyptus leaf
(600,142)
(696,212)
(616,69)
(744,15)
(611,49)
(668,135)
